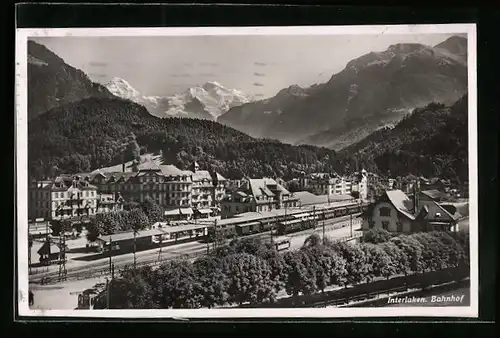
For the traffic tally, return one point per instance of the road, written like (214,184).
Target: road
(192,248)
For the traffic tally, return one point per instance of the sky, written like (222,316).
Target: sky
(258,65)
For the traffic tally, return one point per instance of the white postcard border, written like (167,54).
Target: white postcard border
(21,132)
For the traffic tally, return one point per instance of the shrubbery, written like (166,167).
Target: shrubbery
(248,271)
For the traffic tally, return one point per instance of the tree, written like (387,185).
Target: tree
(376,235)
(178,285)
(412,250)
(355,194)
(313,241)
(356,260)
(433,251)
(276,262)
(213,283)
(398,259)
(298,278)
(249,279)
(131,291)
(452,252)
(378,261)
(246,245)
(153,211)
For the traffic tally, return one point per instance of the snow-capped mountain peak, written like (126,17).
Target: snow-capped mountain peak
(120,87)
(207,101)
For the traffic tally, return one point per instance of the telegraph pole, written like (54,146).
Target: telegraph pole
(161,244)
(323,226)
(135,257)
(215,234)
(110,257)
(351,222)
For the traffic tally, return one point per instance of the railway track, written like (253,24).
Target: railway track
(102,268)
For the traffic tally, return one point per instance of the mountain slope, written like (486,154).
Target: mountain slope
(432,141)
(52,82)
(372,90)
(208,101)
(100,132)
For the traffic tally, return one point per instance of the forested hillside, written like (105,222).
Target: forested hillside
(432,141)
(98,132)
(52,82)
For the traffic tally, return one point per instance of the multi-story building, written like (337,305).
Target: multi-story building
(167,185)
(257,195)
(69,197)
(208,188)
(330,184)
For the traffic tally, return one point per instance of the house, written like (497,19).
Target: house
(65,197)
(257,195)
(394,211)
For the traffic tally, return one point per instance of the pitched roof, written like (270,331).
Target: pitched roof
(149,165)
(434,194)
(171,170)
(401,202)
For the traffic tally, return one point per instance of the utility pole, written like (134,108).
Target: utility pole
(159,252)
(110,257)
(351,222)
(215,234)
(135,257)
(62,251)
(323,226)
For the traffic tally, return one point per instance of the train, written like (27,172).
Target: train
(279,222)
(282,224)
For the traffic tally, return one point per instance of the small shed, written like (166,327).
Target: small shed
(50,251)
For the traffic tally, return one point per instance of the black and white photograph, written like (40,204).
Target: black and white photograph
(320,171)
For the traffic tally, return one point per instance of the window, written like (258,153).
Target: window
(385,225)
(385,212)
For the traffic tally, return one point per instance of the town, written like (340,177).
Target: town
(201,210)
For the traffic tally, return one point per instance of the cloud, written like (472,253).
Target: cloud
(98,75)
(259,63)
(257,84)
(97,64)
(259,74)
(209,64)
(180,75)
(207,74)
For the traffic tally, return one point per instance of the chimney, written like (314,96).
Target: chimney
(415,196)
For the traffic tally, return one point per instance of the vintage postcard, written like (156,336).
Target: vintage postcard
(247,172)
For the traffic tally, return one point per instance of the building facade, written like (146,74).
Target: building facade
(395,212)
(335,185)
(68,197)
(257,195)
(167,185)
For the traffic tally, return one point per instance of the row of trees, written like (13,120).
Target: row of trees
(248,271)
(135,217)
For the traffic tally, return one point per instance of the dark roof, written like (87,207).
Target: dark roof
(434,194)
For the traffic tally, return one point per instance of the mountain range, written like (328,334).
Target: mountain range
(373,91)
(207,101)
